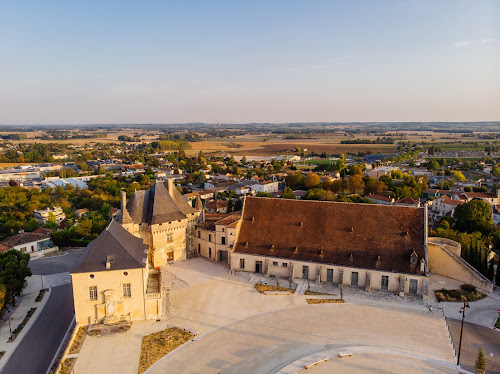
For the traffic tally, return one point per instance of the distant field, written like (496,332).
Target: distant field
(271,144)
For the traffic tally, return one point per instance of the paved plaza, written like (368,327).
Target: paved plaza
(242,331)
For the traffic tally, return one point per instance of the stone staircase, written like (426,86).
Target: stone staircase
(301,286)
(153,286)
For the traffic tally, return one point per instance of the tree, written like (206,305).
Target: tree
(497,279)
(263,194)
(238,205)
(51,222)
(458,175)
(356,183)
(3,293)
(288,194)
(312,180)
(432,165)
(374,186)
(295,180)
(491,270)
(473,216)
(13,183)
(480,362)
(13,272)
(230,205)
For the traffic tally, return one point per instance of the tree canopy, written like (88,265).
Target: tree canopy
(473,216)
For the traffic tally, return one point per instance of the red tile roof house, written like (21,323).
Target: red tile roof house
(34,243)
(378,199)
(380,247)
(216,206)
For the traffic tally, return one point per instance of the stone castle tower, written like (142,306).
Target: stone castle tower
(163,219)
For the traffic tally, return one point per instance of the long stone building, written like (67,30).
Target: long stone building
(363,245)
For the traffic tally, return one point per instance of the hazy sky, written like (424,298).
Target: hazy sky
(65,62)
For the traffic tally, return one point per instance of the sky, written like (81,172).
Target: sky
(101,62)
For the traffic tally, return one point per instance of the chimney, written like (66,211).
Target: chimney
(171,187)
(124,216)
(108,265)
(123,200)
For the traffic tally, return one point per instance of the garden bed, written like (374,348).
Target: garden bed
(465,293)
(1,354)
(78,340)
(325,301)
(67,366)
(23,323)
(267,287)
(318,293)
(40,295)
(157,345)
(497,323)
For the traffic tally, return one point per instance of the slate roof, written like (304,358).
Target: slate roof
(24,238)
(128,250)
(156,206)
(345,234)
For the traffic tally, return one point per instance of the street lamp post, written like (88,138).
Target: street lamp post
(10,329)
(462,310)
(41,278)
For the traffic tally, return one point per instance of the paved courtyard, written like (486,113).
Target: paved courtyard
(266,342)
(240,330)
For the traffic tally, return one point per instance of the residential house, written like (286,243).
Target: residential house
(378,199)
(34,243)
(216,206)
(214,238)
(42,216)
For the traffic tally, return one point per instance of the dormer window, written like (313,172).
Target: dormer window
(413,258)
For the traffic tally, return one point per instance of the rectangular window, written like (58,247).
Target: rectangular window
(199,234)
(223,240)
(242,263)
(209,237)
(284,264)
(384,285)
(126,290)
(93,293)
(275,263)
(170,238)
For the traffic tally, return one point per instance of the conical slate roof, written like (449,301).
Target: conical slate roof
(158,205)
(127,251)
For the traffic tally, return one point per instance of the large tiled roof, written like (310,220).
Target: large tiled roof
(24,238)
(156,206)
(335,233)
(127,249)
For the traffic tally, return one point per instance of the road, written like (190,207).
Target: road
(35,352)
(475,336)
(40,345)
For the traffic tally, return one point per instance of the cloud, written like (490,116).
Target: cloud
(463,43)
(488,41)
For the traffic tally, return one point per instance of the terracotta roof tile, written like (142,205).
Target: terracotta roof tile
(365,231)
